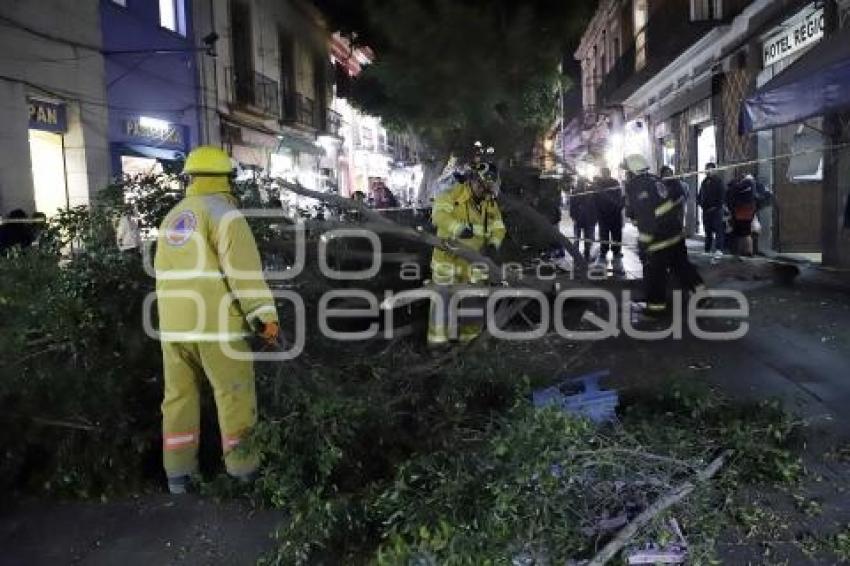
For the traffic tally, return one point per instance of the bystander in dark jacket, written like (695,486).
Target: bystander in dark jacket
(711,199)
(609,201)
(583,214)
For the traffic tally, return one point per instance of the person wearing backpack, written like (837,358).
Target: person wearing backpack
(741,201)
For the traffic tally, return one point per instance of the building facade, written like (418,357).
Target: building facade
(676,98)
(53,144)
(151,83)
(370,153)
(267,91)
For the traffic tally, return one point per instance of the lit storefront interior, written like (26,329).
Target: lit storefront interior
(48,124)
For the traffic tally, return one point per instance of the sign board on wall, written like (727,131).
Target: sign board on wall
(47,116)
(171,136)
(801,33)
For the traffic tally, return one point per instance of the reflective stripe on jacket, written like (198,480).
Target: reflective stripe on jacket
(210,284)
(658,208)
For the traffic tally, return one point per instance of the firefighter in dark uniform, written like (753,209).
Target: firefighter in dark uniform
(658,210)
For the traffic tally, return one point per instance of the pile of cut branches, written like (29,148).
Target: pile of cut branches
(458,468)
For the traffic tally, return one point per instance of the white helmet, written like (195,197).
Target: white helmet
(636,164)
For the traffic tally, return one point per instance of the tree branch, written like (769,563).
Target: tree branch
(659,506)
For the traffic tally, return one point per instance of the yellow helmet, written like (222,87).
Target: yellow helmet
(207,160)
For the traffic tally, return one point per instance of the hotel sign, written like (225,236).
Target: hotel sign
(47,116)
(794,37)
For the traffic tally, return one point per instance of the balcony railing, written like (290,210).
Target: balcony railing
(254,92)
(305,111)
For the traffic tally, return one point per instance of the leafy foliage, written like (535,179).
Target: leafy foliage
(461,71)
(376,464)
(80,382)
(458,469)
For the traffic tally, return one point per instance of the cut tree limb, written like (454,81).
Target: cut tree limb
(542,224)
(473,256)
(65,424)
(637,454)
(662,504)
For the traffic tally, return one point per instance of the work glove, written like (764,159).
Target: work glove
(466,233)
(270,333)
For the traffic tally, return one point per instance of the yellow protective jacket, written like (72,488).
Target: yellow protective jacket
(209,278)
(453,210)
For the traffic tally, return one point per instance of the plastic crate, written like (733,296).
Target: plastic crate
(581,396)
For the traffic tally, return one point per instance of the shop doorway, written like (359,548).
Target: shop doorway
(706,148)
(47,156)
(706,153)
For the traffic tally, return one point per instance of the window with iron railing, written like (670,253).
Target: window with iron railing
(286,48)
(366,138)
(334,122)
(305,110)
(255,92)
(706,10)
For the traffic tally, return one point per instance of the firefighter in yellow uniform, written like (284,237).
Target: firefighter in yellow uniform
(469,214)
(210,295)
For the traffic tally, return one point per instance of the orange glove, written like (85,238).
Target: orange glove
(271,332)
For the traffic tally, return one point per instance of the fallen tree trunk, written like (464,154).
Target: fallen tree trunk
(496,273)
(543,226)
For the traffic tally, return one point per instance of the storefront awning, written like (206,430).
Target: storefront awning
(819,82)
(153,152)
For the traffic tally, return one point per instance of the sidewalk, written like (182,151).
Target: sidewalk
(631,262)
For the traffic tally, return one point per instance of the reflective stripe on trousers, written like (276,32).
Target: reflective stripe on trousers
(185,365)
(439,328)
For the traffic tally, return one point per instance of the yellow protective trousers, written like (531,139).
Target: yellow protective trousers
(447,272)
(232,380)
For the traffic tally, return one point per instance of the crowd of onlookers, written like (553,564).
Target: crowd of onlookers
(382,197)
(730,212)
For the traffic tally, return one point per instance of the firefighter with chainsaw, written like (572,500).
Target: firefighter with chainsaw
(657,207)
(466,214)
(210,295)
